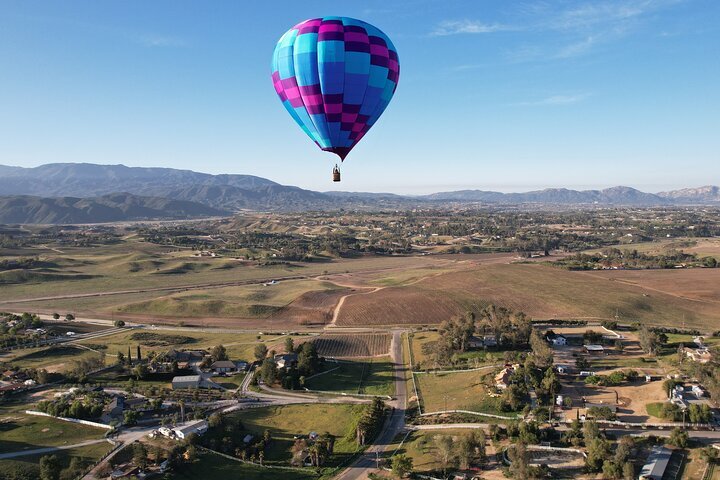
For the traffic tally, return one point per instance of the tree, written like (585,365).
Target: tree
(56,316)
(268,371)
(444,451)
(519,461)
(190,453)
(289,345)
(120,358)
(401,465)
(628,471)
(69,317)
(649,340)
(261,352)
(140,371)
(218,352)
(130,417)
(119,323)
(542,353)
(679,438)
(598,451)
(50,467)
(139,455)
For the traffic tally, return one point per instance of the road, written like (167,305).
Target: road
(394,424)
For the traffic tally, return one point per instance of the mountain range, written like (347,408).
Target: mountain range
(83,192)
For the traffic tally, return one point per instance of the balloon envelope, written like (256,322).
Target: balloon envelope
(336,76)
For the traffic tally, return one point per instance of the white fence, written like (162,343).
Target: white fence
(72,420)
(468,412)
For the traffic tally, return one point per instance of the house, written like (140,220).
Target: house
(199,427)
(556,339)
(699,355)
(502,379)
(116,407)
(490,341)
(594,348)
(223,366)
(698,391)
(165,431)
(656,464)
(185,355)
(285,360)
(191,382)
(247,438)
(475,342)
(242,366)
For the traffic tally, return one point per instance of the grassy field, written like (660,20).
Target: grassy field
(27,467)
(240,346)
(287,421)
(372,376)
(210,465)
(25,432)
(54,359)
(474,358)
(420,446)
(702,247)
(451,391)
(544,292)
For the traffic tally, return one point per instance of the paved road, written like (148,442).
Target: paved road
(394,424)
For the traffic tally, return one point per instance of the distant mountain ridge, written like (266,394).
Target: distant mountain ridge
(231,193)
(108,208)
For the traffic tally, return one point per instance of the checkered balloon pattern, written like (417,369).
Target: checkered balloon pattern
(336,76)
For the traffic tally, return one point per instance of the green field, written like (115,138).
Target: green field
(285,422)
(473,358)
(214,466)
(373,376)
(20,431)
(240,346)
(27,467)
(420,447)
(456,391)
(56,358)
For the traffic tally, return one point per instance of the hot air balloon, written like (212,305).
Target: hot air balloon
(335,76)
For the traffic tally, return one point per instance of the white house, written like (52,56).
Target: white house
(198,426)
(559,340)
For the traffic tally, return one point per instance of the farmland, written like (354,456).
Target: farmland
(359,345)
(540,291)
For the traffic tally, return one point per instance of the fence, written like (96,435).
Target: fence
(468,412)
(72,420)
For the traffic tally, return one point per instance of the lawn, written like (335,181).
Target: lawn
(240,346)
(456,391)
(214,466)
(287,421)
(27,467)
(372,376)
(56,358)
(420,446)
(473,358)
(19,431)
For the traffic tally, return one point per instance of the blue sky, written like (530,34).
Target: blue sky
(498,95)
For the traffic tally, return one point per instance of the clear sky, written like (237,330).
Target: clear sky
(503,95)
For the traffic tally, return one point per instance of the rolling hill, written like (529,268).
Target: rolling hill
(108,208)
(231,193)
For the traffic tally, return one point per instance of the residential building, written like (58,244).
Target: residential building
(199,427)
(223,366)
(656,464)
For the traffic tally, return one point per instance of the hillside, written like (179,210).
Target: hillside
(108,208)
